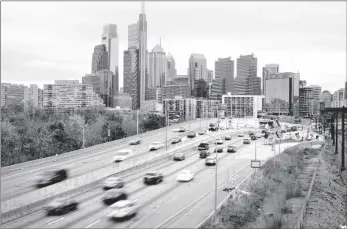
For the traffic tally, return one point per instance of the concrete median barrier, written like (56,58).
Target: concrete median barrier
(35,200)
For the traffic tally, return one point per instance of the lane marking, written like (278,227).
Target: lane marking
(93,223)
(55,220)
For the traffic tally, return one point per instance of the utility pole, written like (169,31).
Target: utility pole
(83,123)
(137,123)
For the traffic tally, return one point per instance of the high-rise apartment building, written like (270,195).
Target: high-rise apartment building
(35,96)
(170,92)
(326,98)
(197,70)
(132,76)
(13,94)
(104,84)
(110,40)
(247,66)
(206,108)
(69,95)
(171,67)
(309,99)
(282,93)
(339,98)
(157,67)
(268,70)
(100,58)
(185,108)
(224,68)
(242,105)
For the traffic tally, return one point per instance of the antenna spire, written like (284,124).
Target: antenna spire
(143,7)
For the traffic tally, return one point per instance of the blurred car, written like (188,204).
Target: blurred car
(219,149)
(135,141)
(263,131)
(185,175)
(123,209)
(258,135)
(123,154)
(240,135)
(153,178)
(308,138)
(156,146)
(191,134)
(182,129)
(251,134)
(228,137)
(176,140)
(283,131)
(113,182)
(253,137)
(51,177)
(219,141)
(203,146)
(204,153)
(201,132)
(246,141)
(179,156)
(114,195)
(232,149)
(211,160)
(61,206)
(222,127)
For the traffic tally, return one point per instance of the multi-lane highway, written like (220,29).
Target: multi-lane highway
(168,204)
(20,181)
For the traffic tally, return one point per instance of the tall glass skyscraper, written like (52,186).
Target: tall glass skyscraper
(110,40)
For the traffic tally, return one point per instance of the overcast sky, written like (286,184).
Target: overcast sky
(46,41)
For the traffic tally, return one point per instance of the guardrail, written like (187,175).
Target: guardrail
(79,152)
(33,201)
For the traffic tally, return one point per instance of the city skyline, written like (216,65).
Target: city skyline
(314,49)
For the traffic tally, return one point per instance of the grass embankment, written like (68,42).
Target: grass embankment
(268,200)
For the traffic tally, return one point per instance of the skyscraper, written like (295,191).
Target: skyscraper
(171,67)
(268,70)
(110,40)
(132,76)
(100,58)
(133,36)
(224,68)
(142,26)
(309,101)
(326,98)
(247,66)
(157,67)
(197,73)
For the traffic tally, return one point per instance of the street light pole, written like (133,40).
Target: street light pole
(83,140)
(137,123)
(216,170)
(167,123)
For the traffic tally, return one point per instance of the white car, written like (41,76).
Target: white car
(240,135)
(211,160)
(123,209)
(123,154)
(156,146)
(219,141)
(185,175)
(135,141)
(113,182)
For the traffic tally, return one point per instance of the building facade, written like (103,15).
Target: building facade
(282,94)
(180,107)
(309,99)
(242,105)
(104,84)
(131,76)
(218,88)
(197,70)
(269,69)
(123,101)
(69,95)
(157,67)
(152,106)
(326,98)
(109,38)
(13,94)
(206,108)
(100,58)
(224,68)
(171,67)
(35,96)
(339,98)
(247,86)
(247,66)
(179,80)
(172,91)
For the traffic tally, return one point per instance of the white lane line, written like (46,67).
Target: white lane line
(93,223)
(55,220)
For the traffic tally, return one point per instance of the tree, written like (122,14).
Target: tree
(129,126)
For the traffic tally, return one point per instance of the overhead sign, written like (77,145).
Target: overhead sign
(255,164)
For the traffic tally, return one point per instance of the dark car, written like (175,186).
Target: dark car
(253,137)
(203,146)
(153,178)
(204,154)
(191,134)
(219,149)
(283,131)
(51,177)
(228,137)
(182,129)
(294,128)
(61,206)
(176,140)
(251,134)
(114,195)
(263,131)
(232,149)
(179,156)
(201,132)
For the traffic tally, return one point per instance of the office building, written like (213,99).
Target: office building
(309,99)
(326,98)
(201,89)
(172,91)
(133,36)
(224,69)
(339,98)
(123,101)
(104,84)
(152,106)
(109,38)
(157,67)
(197,70)
(13,94)
(247,86)
(282,93)
(178,80)
(132,76)
(217,89)
(247,66)
(100,58)
(269,69)
(171,67)
(69,95)
(209,75)
(185,108)
(206,108)
(242,105)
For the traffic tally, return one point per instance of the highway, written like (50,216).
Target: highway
(18,182)
(162,205)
